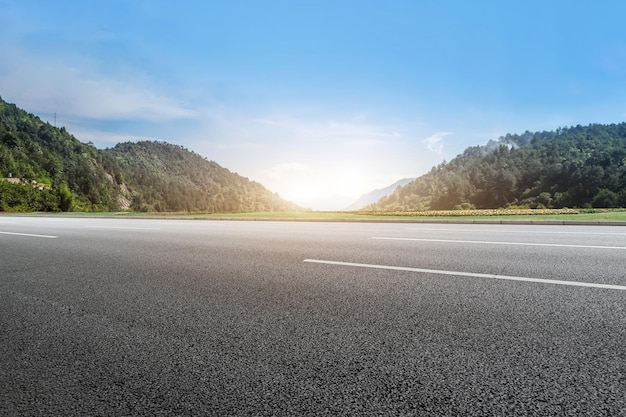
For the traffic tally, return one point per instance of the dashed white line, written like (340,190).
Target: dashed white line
(471,274)
(28,234)
(485,242)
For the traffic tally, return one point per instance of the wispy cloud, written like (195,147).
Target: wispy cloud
(434,143)
(353,132)
(104,139)
(289,169)
(46,84)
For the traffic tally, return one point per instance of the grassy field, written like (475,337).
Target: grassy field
(583,215)
(496,216)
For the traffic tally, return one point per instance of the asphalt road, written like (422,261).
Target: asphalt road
(172,317)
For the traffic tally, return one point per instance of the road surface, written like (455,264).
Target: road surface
(179,317)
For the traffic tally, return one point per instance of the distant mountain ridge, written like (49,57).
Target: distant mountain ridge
(375,195)
(145,176)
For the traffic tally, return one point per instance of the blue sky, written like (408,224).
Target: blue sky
(320,101)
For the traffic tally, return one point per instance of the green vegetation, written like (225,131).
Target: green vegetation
(571,167)
(43,168)
(56,172)
(573,215)
(598,216)
(595,215)
(565,214)
(166,177)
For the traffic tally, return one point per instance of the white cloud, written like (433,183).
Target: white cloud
(103,139)
(434,143)
(280,171)
(350,133)
(286,139)
(49,84)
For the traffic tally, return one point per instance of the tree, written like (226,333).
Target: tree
(605,199)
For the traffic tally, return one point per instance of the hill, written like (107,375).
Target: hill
(166,177)
(375,195)
(570,167)
(68,174)
(43,168)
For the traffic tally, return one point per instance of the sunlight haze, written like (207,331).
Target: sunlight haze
(319,101)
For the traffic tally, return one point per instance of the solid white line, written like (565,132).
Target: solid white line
(471,274)
(484,242)
(504,231)
(28,234)
(123,227)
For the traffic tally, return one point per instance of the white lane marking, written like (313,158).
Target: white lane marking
(471,274)
(484,242)
(28,234)
(123,227)
(190,222)
(9,223)
(533,232)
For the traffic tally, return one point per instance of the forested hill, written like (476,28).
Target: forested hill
(43,168)
(166,177)
(570,167)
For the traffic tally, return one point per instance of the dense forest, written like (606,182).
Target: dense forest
(570,167)
(54,170)
(166,177)
(43,168)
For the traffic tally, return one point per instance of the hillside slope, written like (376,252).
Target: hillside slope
(43,168)
(570,167)
(166,177)
(52,169)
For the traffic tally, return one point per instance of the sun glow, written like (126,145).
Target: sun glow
(320,189)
